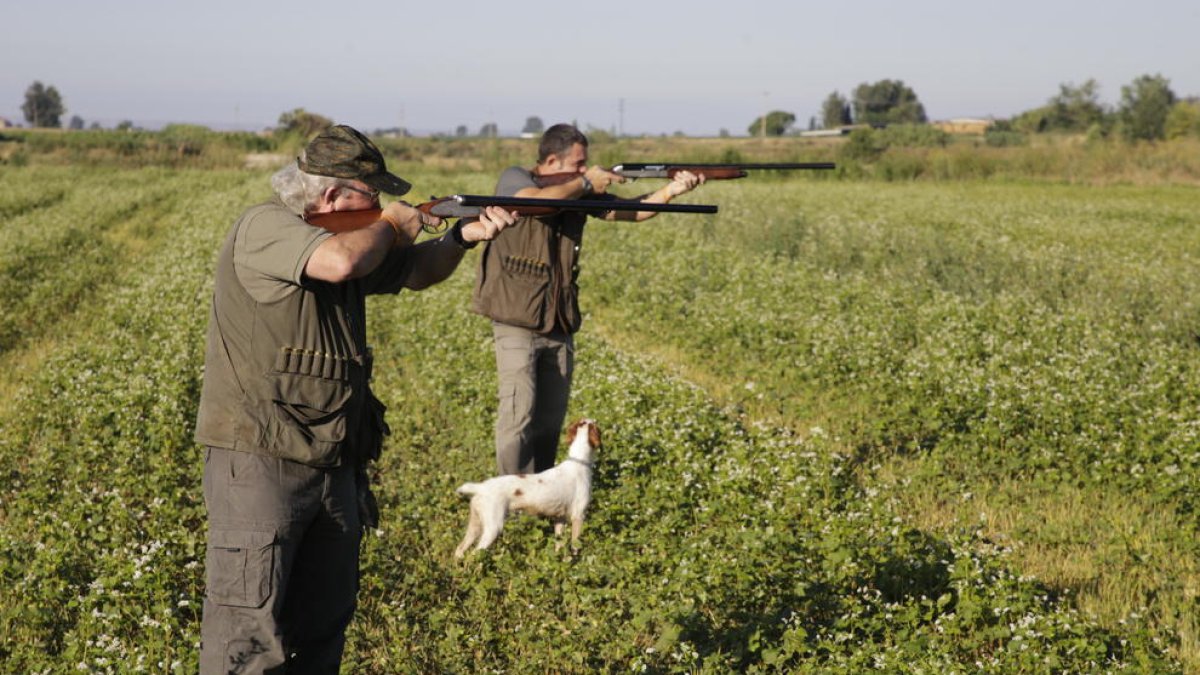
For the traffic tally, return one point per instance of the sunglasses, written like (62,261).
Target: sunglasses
(372,194)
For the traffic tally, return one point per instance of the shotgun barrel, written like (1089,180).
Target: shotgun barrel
(467,206)
(635,170)
(463,206)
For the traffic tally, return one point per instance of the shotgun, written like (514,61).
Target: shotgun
(633,171)
(467,206)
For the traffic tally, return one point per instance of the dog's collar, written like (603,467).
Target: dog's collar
(575,459)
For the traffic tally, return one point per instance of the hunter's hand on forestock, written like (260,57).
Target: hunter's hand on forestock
(491,221)
(684,182)
(408,221)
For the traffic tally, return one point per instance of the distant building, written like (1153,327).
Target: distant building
(822,133)
(843,130)
(966,126)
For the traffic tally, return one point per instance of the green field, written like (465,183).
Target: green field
(906,426)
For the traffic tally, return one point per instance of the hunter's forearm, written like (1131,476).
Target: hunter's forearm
(433,261)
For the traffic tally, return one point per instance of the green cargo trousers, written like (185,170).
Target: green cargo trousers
(281,565)
(534,386)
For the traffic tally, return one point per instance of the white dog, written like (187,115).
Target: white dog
(561,493)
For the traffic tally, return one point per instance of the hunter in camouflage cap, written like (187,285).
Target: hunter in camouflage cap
(343,152)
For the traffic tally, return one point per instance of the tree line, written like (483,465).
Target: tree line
(1148,110)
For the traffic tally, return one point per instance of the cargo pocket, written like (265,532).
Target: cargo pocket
(508,400)
(241,567)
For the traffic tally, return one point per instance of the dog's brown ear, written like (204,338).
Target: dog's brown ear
(569,435)
(594,435)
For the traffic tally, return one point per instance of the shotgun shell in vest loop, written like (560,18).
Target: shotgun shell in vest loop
(306,361)
(320,364)
(287,360)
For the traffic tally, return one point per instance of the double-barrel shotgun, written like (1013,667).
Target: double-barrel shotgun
(467,206)
(633,171)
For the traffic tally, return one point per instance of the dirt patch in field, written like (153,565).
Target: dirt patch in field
(265,160)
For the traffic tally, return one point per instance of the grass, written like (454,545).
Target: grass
(1112,553)
(901,426)
(869,309)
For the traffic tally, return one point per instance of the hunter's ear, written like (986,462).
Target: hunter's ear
(557,162)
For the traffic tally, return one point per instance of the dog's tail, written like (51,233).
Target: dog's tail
(468,489)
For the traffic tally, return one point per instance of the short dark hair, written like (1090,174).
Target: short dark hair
(558,140)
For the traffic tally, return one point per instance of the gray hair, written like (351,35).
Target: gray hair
(300,191)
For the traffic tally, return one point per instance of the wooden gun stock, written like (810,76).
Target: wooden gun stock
(345,221)
(709,172)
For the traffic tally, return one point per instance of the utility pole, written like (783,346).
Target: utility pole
(763,127)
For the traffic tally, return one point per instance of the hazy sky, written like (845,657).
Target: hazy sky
(637,67)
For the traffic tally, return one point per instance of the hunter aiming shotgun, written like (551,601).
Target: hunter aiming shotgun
(466,206)
(633,171)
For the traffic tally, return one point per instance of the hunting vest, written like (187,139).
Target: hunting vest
(288,377)
(528,275)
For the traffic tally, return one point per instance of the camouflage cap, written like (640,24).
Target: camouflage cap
(343,152)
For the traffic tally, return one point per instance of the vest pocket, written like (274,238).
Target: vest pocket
(310,414)
(241,567)
(518,295)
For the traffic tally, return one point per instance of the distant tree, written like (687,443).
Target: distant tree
(1033,121)
(489,130)
(76,122)
(777,123)
(95,126)
(1184,119)
(1145,104)
(1076,108)
(723,133)
(835,111)
(302,123)
(43,106)
(887,102)
(461,131)
(125,125)
(533,125)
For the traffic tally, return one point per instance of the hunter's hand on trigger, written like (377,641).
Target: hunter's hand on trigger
(409,221)
(601,178)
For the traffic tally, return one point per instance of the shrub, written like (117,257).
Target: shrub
(914,136)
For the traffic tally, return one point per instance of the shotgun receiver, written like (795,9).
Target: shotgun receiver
(634,171)
(467,206)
